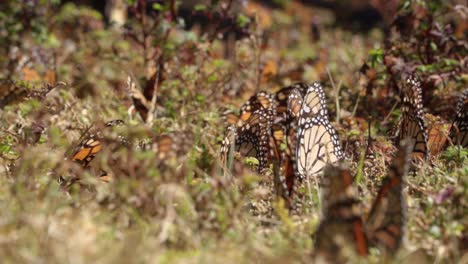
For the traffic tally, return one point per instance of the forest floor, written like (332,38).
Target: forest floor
(178,205)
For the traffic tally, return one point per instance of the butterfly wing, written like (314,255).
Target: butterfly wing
(316,140)
(282,143)
(87,150)
(317,145)
(314,102)
(459,129)
(284,95)
(295,100)
(261,100)
(282,161)
(412,123)
(386,219)
(281,98)
(256,130)
(250,134)
(91,145)
(251,138)
(341,225)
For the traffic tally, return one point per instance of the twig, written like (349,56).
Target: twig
(337,91)
(258,50)
(389,113)
(152,109)
(173,10)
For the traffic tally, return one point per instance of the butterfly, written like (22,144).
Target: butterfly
(282,159)
(385,223)
(253,136)
(249,132)
(86,151)
(282,143)
(261,100)
(342,225)
(283,98)
(459,129)
(412,123)
(317,142)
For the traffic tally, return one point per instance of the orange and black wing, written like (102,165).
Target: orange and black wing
(317,142)
(317,145)
(412,124)
(295,101)
(289,102)
(90,146)
(385,224)
(459,129)
(87,150)
(251,139)
(281,158)
(255,132)
(261,100)
(341,226)
(250,133)
(283,96)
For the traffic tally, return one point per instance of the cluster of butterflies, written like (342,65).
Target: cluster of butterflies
(412,123)
(291,131)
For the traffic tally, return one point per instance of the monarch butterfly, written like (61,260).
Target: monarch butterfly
(289,101)
(282,160)
(342,225)
(254,134)
(385,222)
(91,145)
(86,151)
(316,140)
(412,123)
(283,98)
(261,100)
(251,130)
(459,129)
